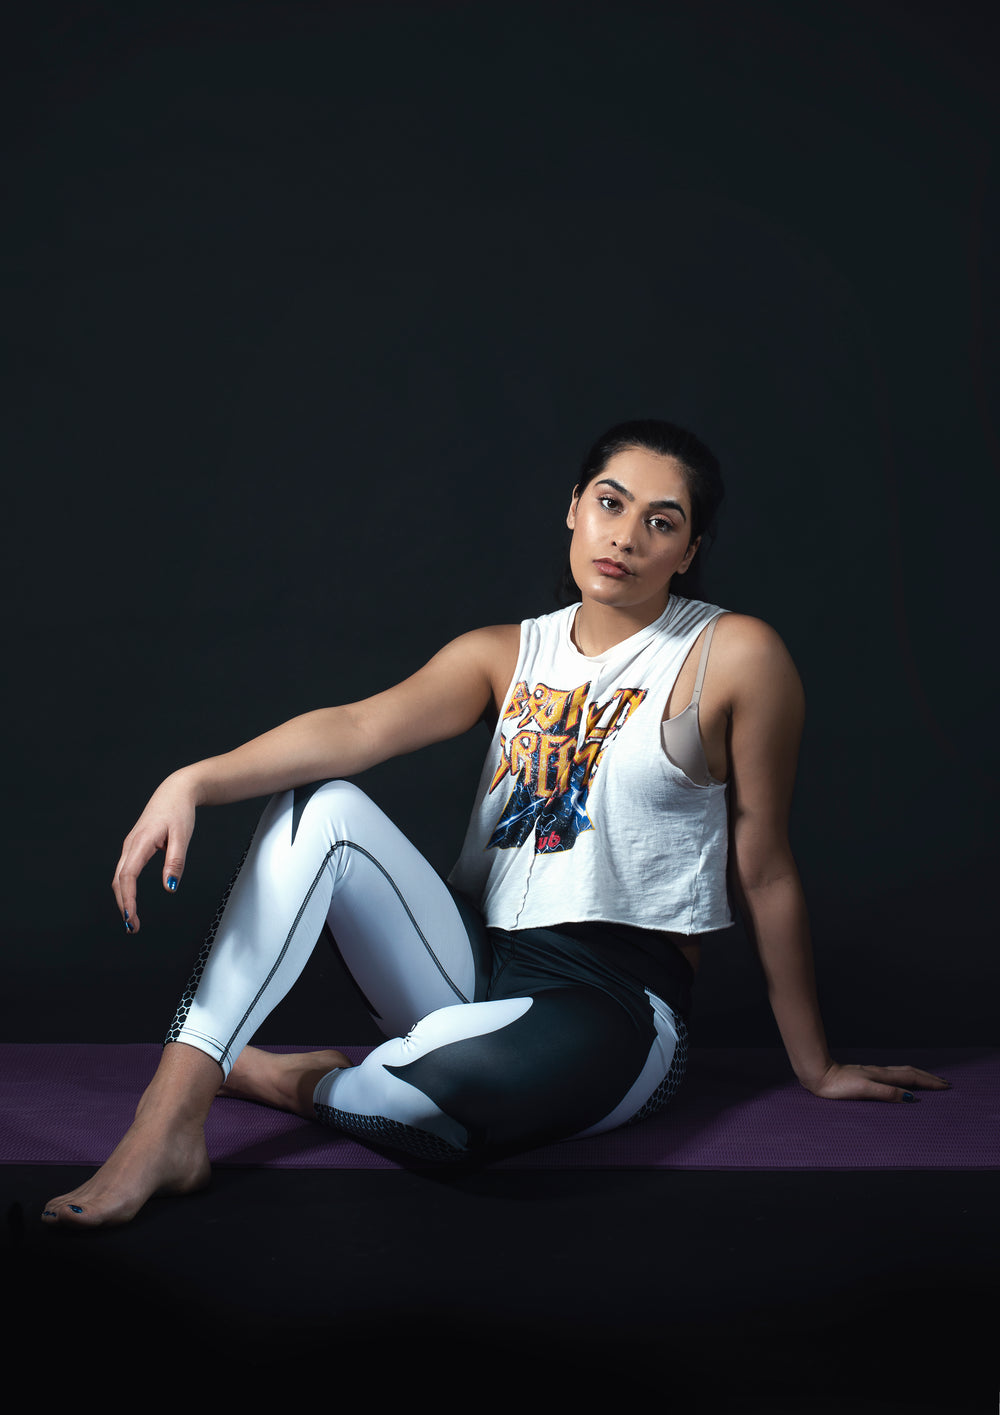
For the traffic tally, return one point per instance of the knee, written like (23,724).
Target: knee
(333,802)
(331,791)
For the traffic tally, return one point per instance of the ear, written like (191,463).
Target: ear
(689,555)
(571,513)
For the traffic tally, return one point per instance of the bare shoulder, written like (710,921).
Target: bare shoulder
(742,634)
(753,660)
(489,645)
(489,653)
(444,698)
(495,647)
(493,638)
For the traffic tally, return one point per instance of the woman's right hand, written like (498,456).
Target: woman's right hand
(447,696)
(166,824)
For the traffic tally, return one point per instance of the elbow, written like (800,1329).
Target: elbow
(760,872)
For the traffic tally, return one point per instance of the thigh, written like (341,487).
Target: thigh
(502,1075)
(561,1062)
(630,1048)
(409,944)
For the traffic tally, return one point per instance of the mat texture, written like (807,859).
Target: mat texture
(70,1103)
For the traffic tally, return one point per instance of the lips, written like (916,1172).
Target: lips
(612,568)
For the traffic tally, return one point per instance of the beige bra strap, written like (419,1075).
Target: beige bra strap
(703,661)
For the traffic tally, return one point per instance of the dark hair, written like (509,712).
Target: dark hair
(701,473)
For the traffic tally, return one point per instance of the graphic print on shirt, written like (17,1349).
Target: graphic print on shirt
(551,763)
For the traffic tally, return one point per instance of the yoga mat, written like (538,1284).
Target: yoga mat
(738,1108)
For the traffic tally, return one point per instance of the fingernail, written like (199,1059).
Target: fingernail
(76,1208)
(48,1213)
(128,926)
(172,882)
(909,1096)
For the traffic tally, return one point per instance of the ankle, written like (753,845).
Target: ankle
(178,1101)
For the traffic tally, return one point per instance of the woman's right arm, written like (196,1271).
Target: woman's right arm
(443,699)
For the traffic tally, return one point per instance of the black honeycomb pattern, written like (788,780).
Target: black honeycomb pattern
(184,1006)
(379,1130)
(668,1087)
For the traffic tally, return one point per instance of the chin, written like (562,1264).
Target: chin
(625,594)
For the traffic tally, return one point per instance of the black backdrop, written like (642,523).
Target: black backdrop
(310,311)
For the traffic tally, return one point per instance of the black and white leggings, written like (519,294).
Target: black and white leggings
(499,1041)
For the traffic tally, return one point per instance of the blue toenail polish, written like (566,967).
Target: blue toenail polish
(172,882)
(76,1208)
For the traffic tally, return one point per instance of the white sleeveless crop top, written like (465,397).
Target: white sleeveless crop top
(581,814)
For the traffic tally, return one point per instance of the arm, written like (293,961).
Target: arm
(767,712)
(443,699)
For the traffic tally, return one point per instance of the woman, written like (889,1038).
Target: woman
(596,856)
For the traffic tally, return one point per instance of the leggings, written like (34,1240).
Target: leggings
(498,1041)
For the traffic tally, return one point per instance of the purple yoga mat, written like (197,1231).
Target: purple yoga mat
(737,1109)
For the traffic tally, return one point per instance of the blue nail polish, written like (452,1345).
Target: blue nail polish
(172,882)
(909,1096)
(128,926)
(76,1208)
(48,1213)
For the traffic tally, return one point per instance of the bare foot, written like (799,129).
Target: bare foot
(162,1152)
(285,1081)
(146,1162)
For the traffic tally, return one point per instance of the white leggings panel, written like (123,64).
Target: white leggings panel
(335,859)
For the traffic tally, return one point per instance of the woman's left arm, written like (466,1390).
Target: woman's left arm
(766,715)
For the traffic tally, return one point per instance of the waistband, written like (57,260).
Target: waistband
(638,959)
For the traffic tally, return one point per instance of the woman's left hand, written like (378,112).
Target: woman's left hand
(873,1083)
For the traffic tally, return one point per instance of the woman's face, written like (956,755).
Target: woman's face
(631,531)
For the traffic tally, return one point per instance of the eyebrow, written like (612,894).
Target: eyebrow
(653,505)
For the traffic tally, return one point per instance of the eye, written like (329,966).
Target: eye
(608,501)
(660,523)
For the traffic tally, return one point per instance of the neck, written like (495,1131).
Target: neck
(599,627)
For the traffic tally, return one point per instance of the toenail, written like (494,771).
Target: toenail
(49,1213)
(76,1208)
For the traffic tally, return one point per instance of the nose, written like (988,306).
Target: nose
(624,537)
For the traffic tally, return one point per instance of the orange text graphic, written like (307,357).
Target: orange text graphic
(547,747)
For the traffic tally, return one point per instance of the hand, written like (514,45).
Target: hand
(873,1083)
(166,824)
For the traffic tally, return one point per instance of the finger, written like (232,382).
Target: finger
(858,1084)
(125,907)
(173,864)
(116,887)
(876,1091)
(125,893)
(926,1080)
(134,858)
(909,1076)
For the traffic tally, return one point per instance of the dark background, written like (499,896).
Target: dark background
(310,311)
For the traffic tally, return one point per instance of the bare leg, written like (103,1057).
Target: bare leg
(163,1151)
(285,1081)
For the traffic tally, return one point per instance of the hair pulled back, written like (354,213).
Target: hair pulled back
(702,474)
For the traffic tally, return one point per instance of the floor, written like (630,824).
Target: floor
(852,1292)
